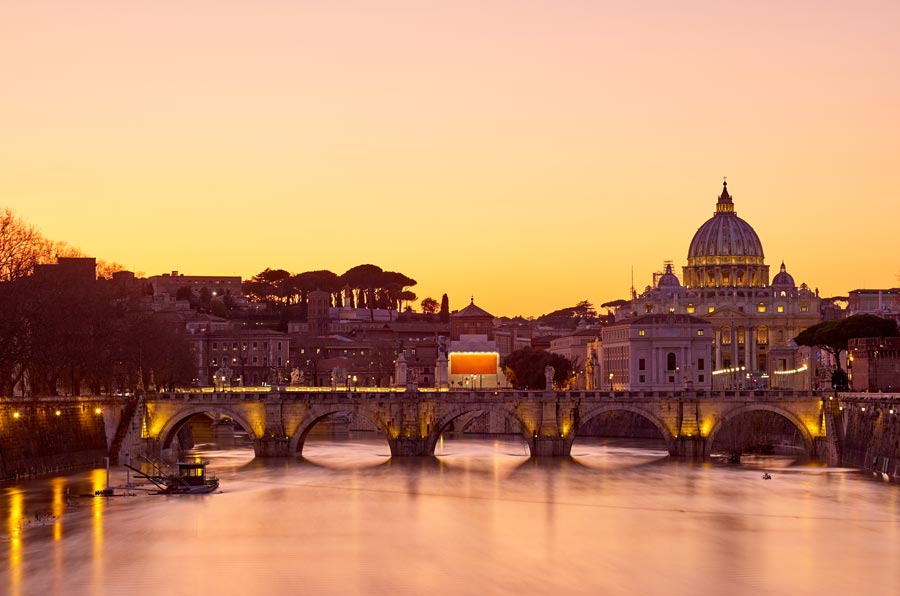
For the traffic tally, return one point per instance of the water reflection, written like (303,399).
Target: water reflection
(618,517)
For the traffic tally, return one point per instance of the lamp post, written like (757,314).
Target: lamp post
(611,381)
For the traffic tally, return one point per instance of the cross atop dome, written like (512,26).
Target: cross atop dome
(725,204)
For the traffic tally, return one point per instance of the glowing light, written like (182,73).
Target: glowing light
(98,411)
(16,415)
(474,363)
(792,372)
(58,413)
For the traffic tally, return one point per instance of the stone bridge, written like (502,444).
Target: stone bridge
(279,419)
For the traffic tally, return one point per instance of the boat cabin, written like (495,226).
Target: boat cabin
(193,473)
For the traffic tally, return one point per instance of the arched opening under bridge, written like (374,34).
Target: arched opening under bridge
(754,433)
(208,433)
(616,436)
(340,438)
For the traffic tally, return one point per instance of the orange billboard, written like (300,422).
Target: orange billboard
(468,363)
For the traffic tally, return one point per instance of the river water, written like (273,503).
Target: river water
(618,517)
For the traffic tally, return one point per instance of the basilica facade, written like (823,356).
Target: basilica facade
(754,320)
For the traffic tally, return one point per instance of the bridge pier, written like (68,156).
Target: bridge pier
(550,446)
(689,447)
(409,447)
(272,446)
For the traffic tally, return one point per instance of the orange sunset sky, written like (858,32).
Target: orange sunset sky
(527,152)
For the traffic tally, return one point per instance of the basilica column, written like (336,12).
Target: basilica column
(718,347)
(734,346)
(751,349)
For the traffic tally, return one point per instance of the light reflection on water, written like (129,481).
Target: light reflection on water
(617,517)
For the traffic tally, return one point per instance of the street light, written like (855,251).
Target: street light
(610,381)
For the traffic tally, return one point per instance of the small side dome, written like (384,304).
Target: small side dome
(783,278)
(668,279)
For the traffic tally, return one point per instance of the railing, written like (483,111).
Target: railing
(506,393)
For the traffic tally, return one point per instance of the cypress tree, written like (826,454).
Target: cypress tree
(444,313)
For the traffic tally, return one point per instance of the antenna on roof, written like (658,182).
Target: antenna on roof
(633,293)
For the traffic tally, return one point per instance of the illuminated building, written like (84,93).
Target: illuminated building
(726,282)
(473,359)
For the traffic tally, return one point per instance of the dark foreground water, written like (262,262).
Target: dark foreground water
(480,519)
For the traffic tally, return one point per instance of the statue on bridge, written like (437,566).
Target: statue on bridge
(549,371)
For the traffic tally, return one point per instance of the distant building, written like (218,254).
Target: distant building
(882,303)
(219,286)
(247,357)
(68,270)
(726,282)
(656,352)
(473,355)
(874,364)
(574,347)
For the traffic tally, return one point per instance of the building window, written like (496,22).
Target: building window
(254,345)
(700,332)
(761,307)
(670,361)
(780,308)
(804,308)
(255,360)
(700,378)
(642,364)
(701,364)
(726,336)
(690,309)
(648,308)
(671,310)
(641,379)
(762,335)
(711,309)
(641,332)
(215,346)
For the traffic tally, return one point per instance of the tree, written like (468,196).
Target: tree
(525,368)
(833,336)
(444,313)
(429,305)
(614,304)
(570,317)
(21,247)
(364,279)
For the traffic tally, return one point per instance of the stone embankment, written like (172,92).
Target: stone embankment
(46,435)
(869,432)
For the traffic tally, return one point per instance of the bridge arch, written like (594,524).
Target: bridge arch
(178,419)
(591,412)
(449,415)
(315,415)
(808,440)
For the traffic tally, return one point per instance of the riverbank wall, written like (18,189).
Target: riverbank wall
(46,435)
(869,430)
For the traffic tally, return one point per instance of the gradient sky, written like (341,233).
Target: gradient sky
(527,152)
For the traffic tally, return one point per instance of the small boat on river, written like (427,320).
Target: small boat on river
(190,479)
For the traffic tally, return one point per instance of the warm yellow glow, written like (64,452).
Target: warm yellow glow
(193,122)
(98,480)
(98,411)
(16,415)
(58,486)
(58,413)
(474,363)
